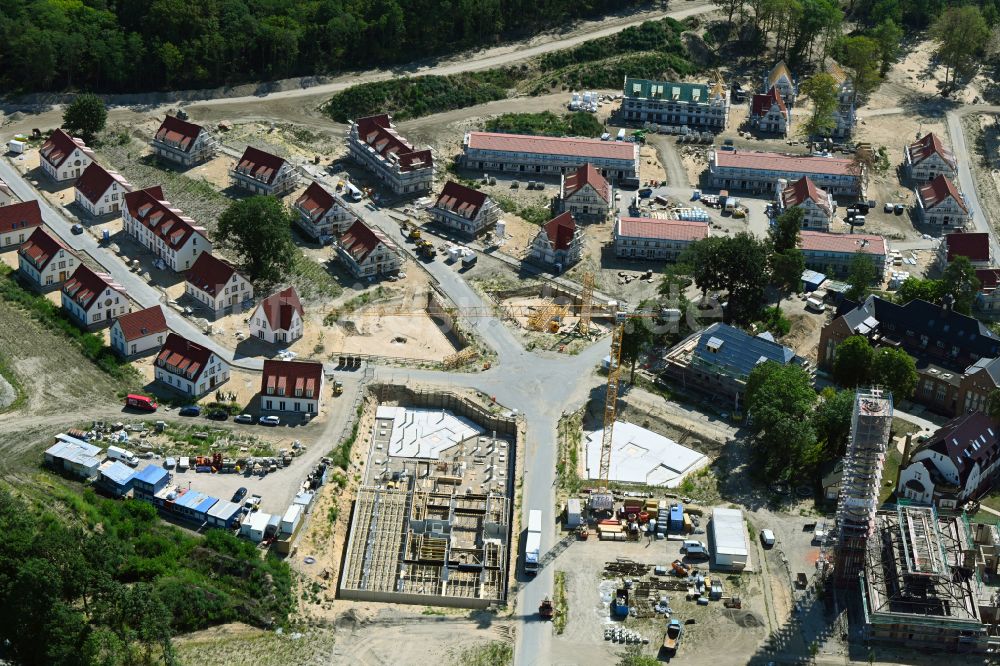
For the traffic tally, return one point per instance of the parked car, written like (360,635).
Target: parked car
(243,418)
(239,494)
(140,402)
(190,410)
(218,415)
(77,229)
(269,420)
(767,538)
(900,208)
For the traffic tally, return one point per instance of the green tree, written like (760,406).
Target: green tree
(637,336)
(633,656)
(85,116)
(704,257)
(852,362)
(729,7)
(786,270)
(895,370)
(960,282)
(888,35)
(992,408)
(860,55)
(258,231)
(922,288)
(961,34)
(786,230)
(832,420)
(822,90)
(744,267)
(862,276)
(780,400)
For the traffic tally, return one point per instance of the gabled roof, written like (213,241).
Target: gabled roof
(41,248)
(801,164)
(118,473)
(738,352)
(975,246)
(84,286)
(587,175)
(378,132)
(461,200)
(560,231)
(209,273)
(189,358)
(96,180)
(585,149)
(141,323)
(177,132)
(60,145)
(819,241)
(928,145)
(965,440)
(652,228)
(360,240)
(278,308)
(316,201)
(837,72)
(260,165)
(163,221)
(760,105)
(803,190)
(778,72)
(292,375)
(17,216)
(669,90)
(938,191)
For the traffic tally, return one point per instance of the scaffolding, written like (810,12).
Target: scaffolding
(539,321)
(587,303)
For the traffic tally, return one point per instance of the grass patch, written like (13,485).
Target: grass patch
(341,456)
(368,297)
(533,214)
(774,320)
(311,279)
(493,653)
(7,372)
(902,427)
(567,463)
(561,604)
(892,459)
(547,123)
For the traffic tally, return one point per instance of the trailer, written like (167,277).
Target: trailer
(533,542)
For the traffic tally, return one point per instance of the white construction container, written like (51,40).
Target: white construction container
(454,254)
(574,514)
(254,527)
(183,463)
(290,521)
(15,146)
(501,229)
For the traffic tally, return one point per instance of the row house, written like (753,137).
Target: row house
(17,222)
(259,172)
(217,285)
(99,191)
(279,318)
(941,205)
(844,115)
(927,158)
(586,194)
(289,388)
(759,172)
(367,252)
(162,229)
(7,196)
(321,215)
(93,299)
(558,244)
(974,246)
(670,103)
(650,238)
(139,332)
(44,262)
(374,143)
(189,368)
(769,114)
(534,157)
(780,78)
(64,157)
(464,209)
(832,254)
(182,142)
(818,207)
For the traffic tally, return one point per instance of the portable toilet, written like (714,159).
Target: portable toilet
(501,228)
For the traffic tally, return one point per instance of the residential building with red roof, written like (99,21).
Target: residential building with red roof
(531,157)
(260,172)
(464,209)
(693,105)
(941,205)
(217,285)
(759,172)
(182,142)
(558,244)
(321,214)
(139,332)
(927,158)
(93,299)
(279,318)
(367,252)
(291,388)
(44,262)
(18,221)
(832,254)
(817,205)
(780,78)
(189,368)
(375,144)
(99,191)
(652,238)
(769,114)
(586,194)
(64,157)
(973,245)
(988,298)
(151,221)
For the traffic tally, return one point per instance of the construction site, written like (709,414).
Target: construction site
(547,308)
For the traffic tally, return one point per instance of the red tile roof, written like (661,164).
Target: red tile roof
(804,164)
(279,308)
(551,145)
(973,245)
(84,286)
(989,278)
(210,274)
(292,376)
(930,144)
(938,191)
(587,175)
(59,146)
(377,132)
(260,165)
(560,230)
(315,202)
(818,241)
(647,227)
(148,207)
(761,104)
(141,323)
(803,190)
(95,181)
(189,358)
(23,215)
(360,240)
(460,200)
(177,132)
(41,248)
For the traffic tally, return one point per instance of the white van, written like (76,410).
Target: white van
(123,455)
(767,538)
(815,304)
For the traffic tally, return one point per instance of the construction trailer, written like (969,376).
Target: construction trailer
(574,513)
(730,546)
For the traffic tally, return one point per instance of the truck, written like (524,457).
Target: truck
(469,259)
(672,637)
(533,542)
(123,455)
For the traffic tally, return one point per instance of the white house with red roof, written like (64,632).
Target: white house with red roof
(44,262)
(99,191)
(769,114)
(182,142)
(533,157)
(817,205)
(93,299)
(279,318)
(217,285)
(559,243)
(139,332)
(586,194)
(63,157)
(780,78)
(321,214)
(652,238)
(375,144)
(759,171)
(291,388)
(260,172)
(189,368)
(18,221)
(165,231)
(832,254)
(940,204)
(973,245)
(367,252)
(927,158)
(464,209)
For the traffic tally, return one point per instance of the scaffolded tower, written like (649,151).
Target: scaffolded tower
(859,487)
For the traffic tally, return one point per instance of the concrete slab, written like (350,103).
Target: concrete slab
(642,456)
(421,433)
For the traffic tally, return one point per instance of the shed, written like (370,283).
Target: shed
(677,518)
(730,536)
(812,280)
(574,516)
(116,478)
(224,514)
(273,525)
(194,505)
(304,499)
(150,480)
(290,521)
(73,455)
(255,526)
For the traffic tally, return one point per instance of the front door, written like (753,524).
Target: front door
(107,315)
(62,276)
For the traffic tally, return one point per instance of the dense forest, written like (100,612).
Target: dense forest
(140,45)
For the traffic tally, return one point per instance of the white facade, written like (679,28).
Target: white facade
(176,258)
(78,159)
(260,326)
(103,309)
(236,293)
(107,202)
(135,347)
(53,274)
(214,375)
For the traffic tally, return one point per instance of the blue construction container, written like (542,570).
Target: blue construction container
(677,518)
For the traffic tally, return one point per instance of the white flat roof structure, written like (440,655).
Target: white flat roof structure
(642,456)
(423,433)
(729,532)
